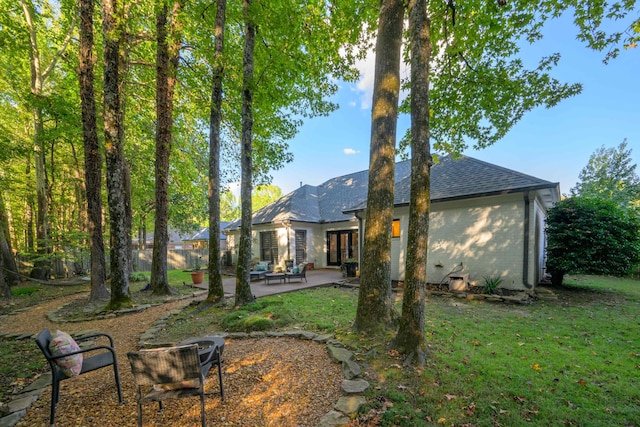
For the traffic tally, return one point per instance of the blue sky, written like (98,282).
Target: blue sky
(553,144)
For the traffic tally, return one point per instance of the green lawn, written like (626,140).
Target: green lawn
(574,360)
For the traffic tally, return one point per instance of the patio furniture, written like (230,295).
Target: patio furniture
(169,373)
(210,349)
(279,277)
(68,360)
(261,268)
(301,274)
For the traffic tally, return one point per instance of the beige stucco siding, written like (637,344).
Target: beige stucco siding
(486,235)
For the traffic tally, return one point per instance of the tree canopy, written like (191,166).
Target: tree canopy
(610,175)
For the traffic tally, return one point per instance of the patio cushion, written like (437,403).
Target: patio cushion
(62,343)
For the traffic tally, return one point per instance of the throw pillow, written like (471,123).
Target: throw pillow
(62,343)
(296,270)
(261,267)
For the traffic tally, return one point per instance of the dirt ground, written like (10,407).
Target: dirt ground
(268,382)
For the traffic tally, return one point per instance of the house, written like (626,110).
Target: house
(485,221)
(200,240)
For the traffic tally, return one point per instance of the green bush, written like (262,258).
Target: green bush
(491,284)
(592,236)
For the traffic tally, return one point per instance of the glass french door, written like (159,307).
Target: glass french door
(341,245)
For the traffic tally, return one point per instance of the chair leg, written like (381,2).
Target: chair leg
(139,413)
(202,414)
(220,379)
(115,373)
(55,391)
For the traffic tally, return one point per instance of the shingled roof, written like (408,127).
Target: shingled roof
(336,199)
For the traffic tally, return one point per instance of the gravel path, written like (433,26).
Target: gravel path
(268,382)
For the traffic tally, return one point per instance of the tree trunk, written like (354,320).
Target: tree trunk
(115,160)
(375,309)
(243,288)
(11,274)
(167,57)
(5,291)
(411,335)
(41,268)
(216,290)
(92,156)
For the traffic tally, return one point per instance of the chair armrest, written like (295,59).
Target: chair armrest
(212,354)
(86,350)
(95,335)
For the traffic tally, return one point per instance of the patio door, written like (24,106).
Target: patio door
(341,245)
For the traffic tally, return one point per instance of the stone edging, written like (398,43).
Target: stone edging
(54,315)
(352,386)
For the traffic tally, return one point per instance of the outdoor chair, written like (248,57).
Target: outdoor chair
(169,373)
(301,274)
(69,360)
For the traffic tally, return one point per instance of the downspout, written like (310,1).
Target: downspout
(525,255)
(360,232)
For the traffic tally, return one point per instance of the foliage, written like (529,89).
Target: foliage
(610,175)
(262,196)
(592,236)
(491,284)
(21,360)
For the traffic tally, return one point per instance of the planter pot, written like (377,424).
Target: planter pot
(351,268)
(197,277)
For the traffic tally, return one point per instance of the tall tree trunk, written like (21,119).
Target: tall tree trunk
(41,268)
(29,237)
(216,289)
(92,156)
(11,274)
(5,291)
(128,212)
(375,309)
(411,335)
(243,288)
(115,160)
(167,57)
(39,75)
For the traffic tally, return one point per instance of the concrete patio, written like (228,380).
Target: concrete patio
(260,288)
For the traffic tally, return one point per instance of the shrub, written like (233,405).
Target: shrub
(592,236)
(491,284)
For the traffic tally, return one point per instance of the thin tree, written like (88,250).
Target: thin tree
(11,274)
(411,334)
(92,156)
(243,288)
(375,309)
(167,57)
(39,74)
(216,290)
(119,259)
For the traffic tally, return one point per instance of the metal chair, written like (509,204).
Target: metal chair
(107,357)
(301,274)
(168,373)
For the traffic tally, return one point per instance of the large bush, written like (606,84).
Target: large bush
(592,236)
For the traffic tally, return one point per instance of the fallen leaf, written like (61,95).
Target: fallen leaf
(450,396)
(582,383)
(536,366)
(442,420)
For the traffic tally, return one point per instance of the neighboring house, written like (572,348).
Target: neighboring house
(176,241)
(200,240)
(485,219)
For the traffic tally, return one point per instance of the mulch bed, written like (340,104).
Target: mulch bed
(268,381)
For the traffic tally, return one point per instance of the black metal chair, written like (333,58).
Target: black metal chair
(301,274)
(210,349)
(169,373)
(106,357)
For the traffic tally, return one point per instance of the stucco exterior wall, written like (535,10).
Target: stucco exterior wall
(486,235)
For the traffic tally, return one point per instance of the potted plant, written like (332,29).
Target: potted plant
(197,275)
(351,265)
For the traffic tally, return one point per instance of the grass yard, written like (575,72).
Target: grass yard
(574,360)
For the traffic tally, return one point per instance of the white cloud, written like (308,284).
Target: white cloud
(364,87)
(349,151)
